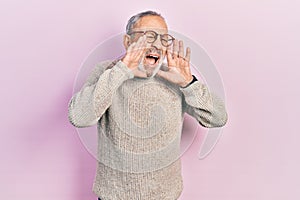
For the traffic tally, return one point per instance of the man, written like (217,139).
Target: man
(138,103)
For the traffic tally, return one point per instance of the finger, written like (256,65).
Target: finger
(131,47)
(175,48)
(169,54)
(140,55)
(181,49)
(139,46)
(188,54)
(142,50)
(140,42)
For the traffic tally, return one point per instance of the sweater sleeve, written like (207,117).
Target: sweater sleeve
(206,107)
(88,105)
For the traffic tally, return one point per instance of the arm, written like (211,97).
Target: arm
(88,105)
(207,108)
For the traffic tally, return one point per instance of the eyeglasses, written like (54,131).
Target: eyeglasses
(165,39)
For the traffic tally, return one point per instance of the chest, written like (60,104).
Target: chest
(150,106)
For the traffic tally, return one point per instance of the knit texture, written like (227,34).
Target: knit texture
(139,125)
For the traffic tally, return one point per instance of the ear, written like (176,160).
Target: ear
(126,41)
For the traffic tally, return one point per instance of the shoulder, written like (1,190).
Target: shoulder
(98,69)
(101,66)
(104,65)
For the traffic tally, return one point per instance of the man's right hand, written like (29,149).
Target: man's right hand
(133,56)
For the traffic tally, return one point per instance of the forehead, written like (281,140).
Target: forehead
(155,23)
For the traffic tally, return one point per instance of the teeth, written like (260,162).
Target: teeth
(152,56)
(155,57)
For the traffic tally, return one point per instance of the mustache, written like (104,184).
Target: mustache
(153,50)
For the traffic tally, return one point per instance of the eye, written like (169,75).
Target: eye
(150,35)
(166,42)
(166,37)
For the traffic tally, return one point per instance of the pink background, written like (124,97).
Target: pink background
(254,44)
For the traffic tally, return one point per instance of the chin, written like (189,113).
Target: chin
(151,70)
(151,64)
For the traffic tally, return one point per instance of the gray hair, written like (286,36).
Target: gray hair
(138,16)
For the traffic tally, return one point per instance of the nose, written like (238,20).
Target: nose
(157,43)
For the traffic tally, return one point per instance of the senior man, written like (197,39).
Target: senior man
(138,103)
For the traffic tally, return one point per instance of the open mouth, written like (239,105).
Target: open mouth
(151,59)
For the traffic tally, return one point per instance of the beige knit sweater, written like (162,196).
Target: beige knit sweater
(139,125)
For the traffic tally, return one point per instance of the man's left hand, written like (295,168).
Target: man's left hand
(179,71)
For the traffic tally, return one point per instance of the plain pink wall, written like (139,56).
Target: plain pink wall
(254,44)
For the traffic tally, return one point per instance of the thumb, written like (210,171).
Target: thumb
(169,55)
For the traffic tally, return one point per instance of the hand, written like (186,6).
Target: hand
(179,71)
(133,56)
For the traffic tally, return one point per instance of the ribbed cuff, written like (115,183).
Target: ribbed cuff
(193,89)
(194,79)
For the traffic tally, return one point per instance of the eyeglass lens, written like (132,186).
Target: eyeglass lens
(165,39)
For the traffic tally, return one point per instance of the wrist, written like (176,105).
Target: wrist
(190,82)
(128,64)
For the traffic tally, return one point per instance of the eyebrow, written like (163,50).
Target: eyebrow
(151,29)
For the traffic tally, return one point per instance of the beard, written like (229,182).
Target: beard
(151,63)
